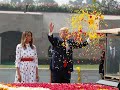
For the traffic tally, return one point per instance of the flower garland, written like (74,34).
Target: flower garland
(72,86)
(10,87)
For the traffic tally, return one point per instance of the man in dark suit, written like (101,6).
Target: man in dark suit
(113,59)
(50,53)
(26,8)
(101,64)
(62,59)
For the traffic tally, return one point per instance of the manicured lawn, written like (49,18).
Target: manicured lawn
(87,66)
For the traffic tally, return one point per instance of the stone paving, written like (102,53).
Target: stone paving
(7,75)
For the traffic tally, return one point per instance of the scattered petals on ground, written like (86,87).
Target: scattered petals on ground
(75,86)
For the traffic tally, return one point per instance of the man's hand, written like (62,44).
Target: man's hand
(69,72)
(51,27)
(88,40)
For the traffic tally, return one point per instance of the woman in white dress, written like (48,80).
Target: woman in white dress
(26,62)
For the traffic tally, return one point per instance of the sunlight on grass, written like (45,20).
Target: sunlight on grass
(87,66)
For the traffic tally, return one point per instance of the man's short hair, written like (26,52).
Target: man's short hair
(64,28)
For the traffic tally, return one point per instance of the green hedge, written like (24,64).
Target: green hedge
(113,12)
(34,8)
(47,8)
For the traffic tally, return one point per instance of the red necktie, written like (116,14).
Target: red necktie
(65,63)
(65,60)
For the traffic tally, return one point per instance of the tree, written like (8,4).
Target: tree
(6,1)
(15,1)
(46,1)
(109,4)
(81,3)
(76,3)
(28,1)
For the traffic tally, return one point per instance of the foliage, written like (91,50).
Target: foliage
(46,1)
(52,7)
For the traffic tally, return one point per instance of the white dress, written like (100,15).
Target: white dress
(27,68)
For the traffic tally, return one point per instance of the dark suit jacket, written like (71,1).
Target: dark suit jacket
(60,54)
(50,53)
(101,65)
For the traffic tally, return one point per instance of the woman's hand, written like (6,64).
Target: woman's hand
(19,77)
(18,73)
(37,78)
(51,27)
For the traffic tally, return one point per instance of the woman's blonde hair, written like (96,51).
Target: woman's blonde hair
(23,39)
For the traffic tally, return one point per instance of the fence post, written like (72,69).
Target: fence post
(79,76)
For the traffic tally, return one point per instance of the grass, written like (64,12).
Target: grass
(87,66)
